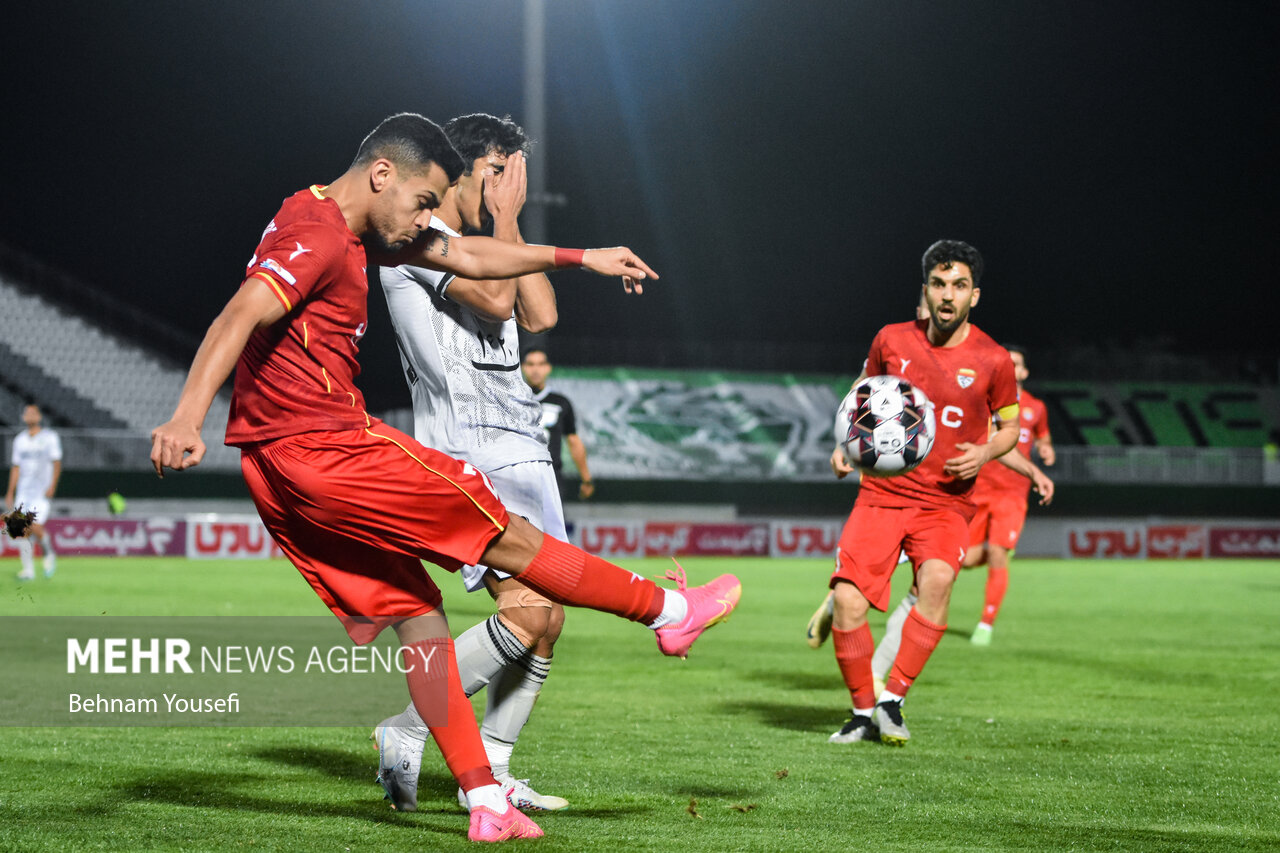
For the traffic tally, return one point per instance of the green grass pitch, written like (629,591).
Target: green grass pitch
(1122,706)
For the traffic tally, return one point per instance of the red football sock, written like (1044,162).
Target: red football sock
(437,694)
(854,650)
(997,583)
(919,638)
(571,576)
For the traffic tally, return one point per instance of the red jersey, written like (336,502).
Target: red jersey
(298,375)
(1033,423)
(966,383)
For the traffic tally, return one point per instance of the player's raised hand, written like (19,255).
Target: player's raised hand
(170,444)
(619,261)
(504,194)
(839,467)
(970,461)
(1043,486)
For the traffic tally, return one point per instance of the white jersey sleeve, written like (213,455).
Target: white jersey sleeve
(469,397)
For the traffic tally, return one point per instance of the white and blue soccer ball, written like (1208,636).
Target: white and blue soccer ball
(885,426)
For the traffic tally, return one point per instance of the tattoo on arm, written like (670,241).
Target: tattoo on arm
(444,245)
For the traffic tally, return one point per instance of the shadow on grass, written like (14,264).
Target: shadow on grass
(796,718)
(239,792)
(701,792)
(1112,669)
(793,680)
(1065,835)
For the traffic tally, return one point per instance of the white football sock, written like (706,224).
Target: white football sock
(512,693)
(499,754)
(674,609)
(882,661)
(490,796)
(25,555)
(483,650)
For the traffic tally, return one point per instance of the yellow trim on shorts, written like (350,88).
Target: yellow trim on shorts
(438,474)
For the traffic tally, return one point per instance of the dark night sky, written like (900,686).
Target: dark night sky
(782,165)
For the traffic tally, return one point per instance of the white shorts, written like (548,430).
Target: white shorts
(527,489)
(39,505)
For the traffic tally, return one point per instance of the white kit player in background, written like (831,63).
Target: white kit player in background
(459,346)
(33,480)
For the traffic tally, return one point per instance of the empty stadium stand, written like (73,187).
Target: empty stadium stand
(86,376)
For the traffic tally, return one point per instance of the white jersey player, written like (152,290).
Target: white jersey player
(459,346)
(36,466)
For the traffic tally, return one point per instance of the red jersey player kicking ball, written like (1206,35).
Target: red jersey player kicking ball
(969,378)
(356,505)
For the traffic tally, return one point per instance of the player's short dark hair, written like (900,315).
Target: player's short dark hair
(531,350)
(475,135)
(411,142)
(1020,350)
(948,252)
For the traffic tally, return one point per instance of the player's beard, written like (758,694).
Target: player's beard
(957,318)
(376,240)
(377,244)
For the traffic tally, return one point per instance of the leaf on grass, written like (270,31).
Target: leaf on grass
(692,808)
(782,774)
(738,807)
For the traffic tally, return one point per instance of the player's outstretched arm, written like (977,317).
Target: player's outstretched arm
(253,307)
(485,257)
(1015,461)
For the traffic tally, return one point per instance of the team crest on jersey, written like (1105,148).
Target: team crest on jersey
(965,377)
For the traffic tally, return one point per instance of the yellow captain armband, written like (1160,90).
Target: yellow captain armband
(1008,413)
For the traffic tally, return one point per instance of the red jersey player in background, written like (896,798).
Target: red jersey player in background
(1001,496)
(969,378)
(356,505)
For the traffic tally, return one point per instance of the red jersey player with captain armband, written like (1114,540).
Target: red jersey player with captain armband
(969,378)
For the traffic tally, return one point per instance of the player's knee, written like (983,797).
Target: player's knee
(935,579)
(975,556)
(555,624)
(528,624)
(850,606)
(998,557)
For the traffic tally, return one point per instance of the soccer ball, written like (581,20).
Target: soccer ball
(885,426)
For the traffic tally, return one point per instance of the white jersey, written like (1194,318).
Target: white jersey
(469,397)
(34,455)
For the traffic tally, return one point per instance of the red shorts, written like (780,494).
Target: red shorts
(999,520)
(356,511)
(873,536)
